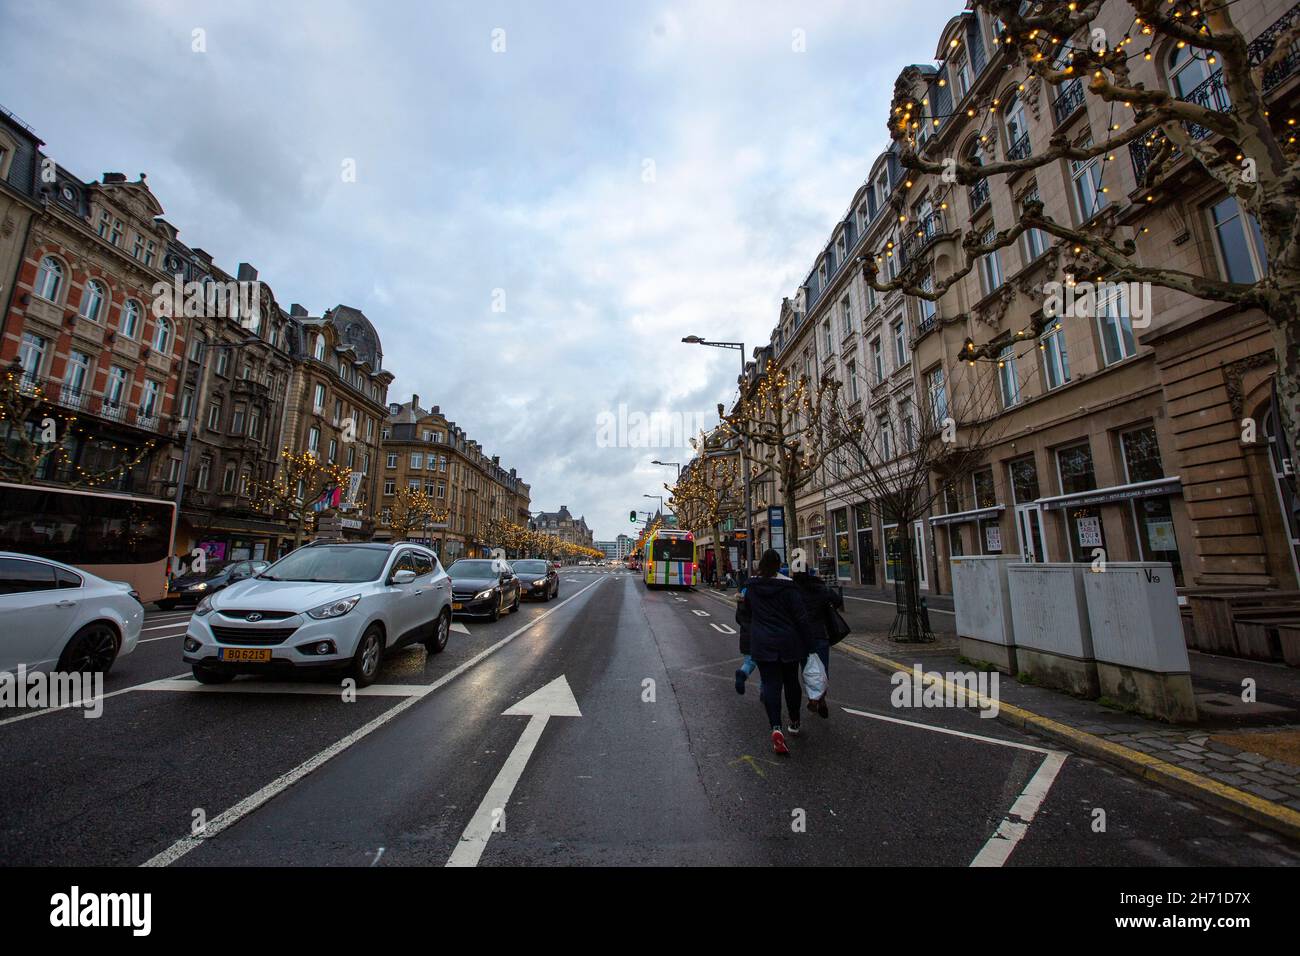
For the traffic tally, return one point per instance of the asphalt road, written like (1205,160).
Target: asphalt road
(666,765)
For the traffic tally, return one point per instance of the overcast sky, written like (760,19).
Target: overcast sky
(623,173)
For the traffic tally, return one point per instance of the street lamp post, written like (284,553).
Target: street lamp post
(194,407)
(744,460)
(675,464)
(661,502)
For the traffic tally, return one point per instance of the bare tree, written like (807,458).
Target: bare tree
(708,492)
(1234,138)
(905,459)
(282,494)
(410,510)
(794,426)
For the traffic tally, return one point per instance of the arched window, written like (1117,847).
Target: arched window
(1017,129)
(162,336)
(1189,76)
(92,301)
(130,325)
(49,279)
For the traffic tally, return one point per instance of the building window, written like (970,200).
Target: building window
(959,71)
(255,423)
(228,478)
(1017,129)
(318,348)
(1188,70)
(1083,524)
(390,486)
(938,396)
(74,380)
(214,415)
(1239,242)
(990,264)
(927,305)
(417,460)
(846,317)
(115,395)
(851,372)
(886,438)
(1056,364)
(92,300)
(205,473)
(909,427)
(877,361)
(1034,240)
(162,337)
(1115,325)
(313,440)
(900,343)
(334,451)
(1086,175)
(31,355)
(318,399)
(1153,517)
(237,420)
(392,460)
(827,338)
(130,325)
(49,279)
(1007,377)
(149,399)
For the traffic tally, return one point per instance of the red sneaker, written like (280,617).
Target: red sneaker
(778,743)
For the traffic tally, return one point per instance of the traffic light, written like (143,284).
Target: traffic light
(632,516)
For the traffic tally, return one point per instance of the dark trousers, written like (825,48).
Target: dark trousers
(775,676)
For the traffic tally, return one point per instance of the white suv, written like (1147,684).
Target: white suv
(325,606)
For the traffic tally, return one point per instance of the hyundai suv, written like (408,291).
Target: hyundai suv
(323,607)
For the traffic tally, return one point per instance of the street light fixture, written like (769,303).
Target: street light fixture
(744,461)
(675,464)
(204,346)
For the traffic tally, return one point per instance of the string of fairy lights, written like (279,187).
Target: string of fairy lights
(1036,46)
(23,407)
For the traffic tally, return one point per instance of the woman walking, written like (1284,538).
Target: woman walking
(778,643)
(818,601)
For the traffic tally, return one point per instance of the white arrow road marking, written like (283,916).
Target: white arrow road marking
(722,628)
(459,628)
(1015,824)
(553,700)
(243,808)
(698,613)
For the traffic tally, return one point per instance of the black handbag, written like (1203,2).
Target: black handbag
(837,626)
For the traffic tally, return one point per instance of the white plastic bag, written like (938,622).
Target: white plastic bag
(814,678)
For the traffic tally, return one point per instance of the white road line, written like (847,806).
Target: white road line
(164,627)
(853,597)
(1015,824)
(51,710)
(164,637)
(281,783)
(282,687)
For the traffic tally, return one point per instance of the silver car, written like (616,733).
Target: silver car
(324,607)
(57,617)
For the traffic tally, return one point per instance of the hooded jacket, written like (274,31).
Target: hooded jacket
(778,621)
(818,599)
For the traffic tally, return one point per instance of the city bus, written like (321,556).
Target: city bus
(669,559)
(115,536)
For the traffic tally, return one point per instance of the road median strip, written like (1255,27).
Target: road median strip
(1280,819)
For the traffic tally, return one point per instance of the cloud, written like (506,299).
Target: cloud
(624,174)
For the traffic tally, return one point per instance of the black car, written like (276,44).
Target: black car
(536,578)
(190,589)
(483,587)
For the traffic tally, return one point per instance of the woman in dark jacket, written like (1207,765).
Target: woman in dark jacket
(818,600)
(778,642)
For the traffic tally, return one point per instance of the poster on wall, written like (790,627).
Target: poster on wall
(993,538)
(1090,532)
(216,550)
(1160,536)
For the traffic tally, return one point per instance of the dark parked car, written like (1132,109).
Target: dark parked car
(190,589)
(483,587)
(536,578)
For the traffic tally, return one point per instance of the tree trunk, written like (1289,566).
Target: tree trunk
(791,522)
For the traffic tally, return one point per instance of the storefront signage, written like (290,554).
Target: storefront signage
(1101,496)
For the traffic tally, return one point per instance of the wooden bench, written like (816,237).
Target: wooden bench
(1256,631)
(1214,615)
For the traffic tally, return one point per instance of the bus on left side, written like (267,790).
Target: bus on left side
(114,536)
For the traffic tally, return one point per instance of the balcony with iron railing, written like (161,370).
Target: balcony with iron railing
(1068,100)
(1019,148)
(1263,45)
(979,195)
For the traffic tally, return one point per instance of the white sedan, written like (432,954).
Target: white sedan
(57,617)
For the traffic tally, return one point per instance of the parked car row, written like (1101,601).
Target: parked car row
(323,607)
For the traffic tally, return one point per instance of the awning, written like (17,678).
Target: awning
(1100,496)
(959,517)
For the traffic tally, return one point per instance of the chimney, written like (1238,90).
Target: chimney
(296,309)
(415,402)
(437,410)
(114,178)
(246,272)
